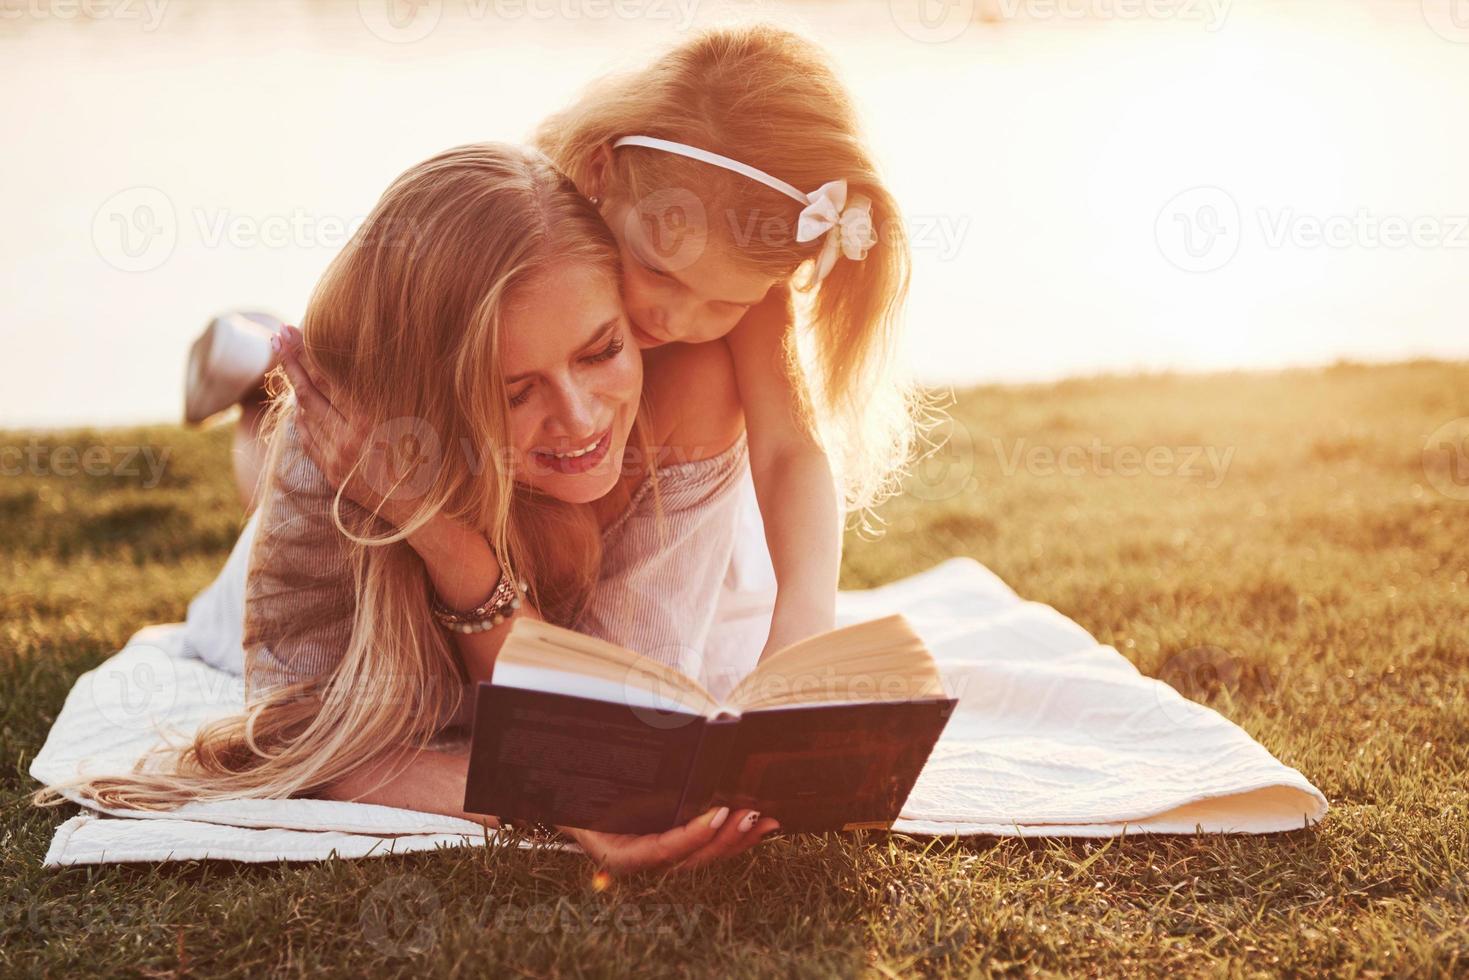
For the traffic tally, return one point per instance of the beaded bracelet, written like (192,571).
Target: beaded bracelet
(500,606)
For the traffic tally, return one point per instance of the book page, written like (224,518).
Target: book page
(879,660)
(539,654)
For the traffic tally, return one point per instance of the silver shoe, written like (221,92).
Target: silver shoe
(228,362)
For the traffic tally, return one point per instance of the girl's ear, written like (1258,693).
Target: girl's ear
(597,169)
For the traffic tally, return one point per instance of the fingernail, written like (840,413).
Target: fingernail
(719,818)
(275,344)
(750,820)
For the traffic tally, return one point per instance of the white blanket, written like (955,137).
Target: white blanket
(1054,735)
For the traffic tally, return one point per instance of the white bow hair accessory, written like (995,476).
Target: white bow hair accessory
(846,225)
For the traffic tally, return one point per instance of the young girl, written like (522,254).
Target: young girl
(732,172)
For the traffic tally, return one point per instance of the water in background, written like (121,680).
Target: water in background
(1091,185)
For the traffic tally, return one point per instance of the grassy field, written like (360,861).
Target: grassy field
(1289,554)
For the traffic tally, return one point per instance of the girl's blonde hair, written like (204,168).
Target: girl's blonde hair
(406,325)
(770,99)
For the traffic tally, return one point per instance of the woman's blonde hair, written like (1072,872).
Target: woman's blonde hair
(406,325)
(770,99)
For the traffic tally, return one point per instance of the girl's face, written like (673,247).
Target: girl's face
(574,378)
(678,285)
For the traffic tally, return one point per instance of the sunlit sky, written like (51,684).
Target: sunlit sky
(1089,187)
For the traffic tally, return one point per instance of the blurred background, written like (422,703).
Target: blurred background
(1091,185)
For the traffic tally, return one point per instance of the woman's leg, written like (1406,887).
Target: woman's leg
(227,366)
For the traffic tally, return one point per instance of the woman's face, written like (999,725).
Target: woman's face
(574,378)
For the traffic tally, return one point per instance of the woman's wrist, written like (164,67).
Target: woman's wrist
(459,560)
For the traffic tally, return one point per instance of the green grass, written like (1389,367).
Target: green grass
(1315,590)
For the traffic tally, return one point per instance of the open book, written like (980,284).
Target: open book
(828,734)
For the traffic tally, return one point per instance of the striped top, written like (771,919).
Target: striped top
(663,561)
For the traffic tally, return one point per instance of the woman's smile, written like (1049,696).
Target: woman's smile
(576,460)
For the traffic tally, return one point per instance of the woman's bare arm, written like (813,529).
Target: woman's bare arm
(428,780)
(460,562)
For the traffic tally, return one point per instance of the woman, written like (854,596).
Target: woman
(476,269)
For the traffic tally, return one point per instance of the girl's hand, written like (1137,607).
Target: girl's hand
(715,835)
(381,482)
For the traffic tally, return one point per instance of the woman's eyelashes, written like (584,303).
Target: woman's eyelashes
(607,353)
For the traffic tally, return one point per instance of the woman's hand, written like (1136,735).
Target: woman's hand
(717,834)
(384,480)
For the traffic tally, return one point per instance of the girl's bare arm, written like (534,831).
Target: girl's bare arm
(797,492)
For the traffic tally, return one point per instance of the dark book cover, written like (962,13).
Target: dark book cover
(579,762)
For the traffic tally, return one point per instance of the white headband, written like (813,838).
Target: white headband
(825,211)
